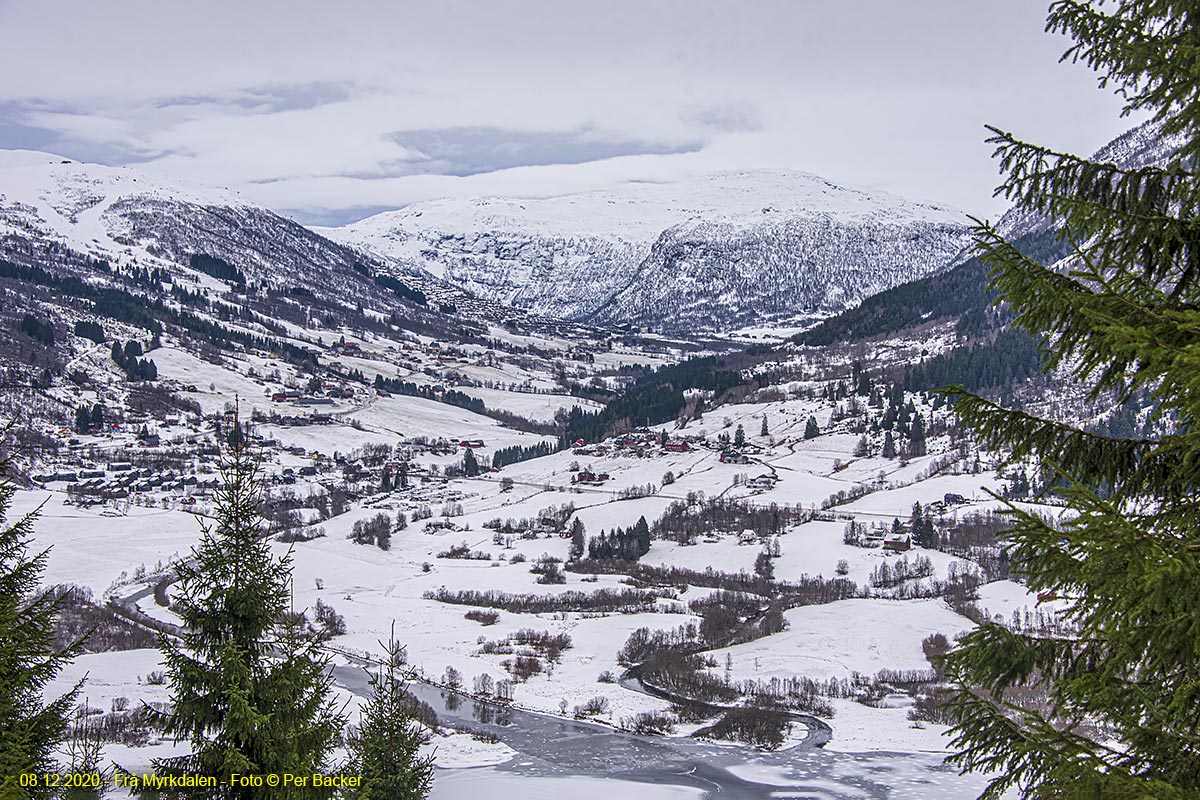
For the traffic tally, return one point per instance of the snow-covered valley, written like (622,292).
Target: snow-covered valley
(450,535)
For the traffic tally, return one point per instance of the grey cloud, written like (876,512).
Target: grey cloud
(727,118)
(16,135)
(270,99)
(333,217)
(474,150)
(28,125)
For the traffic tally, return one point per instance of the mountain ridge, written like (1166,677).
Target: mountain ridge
(612,256)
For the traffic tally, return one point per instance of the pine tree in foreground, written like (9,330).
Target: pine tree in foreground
(249,690)
(30,728)
(1112,711)
(384,751)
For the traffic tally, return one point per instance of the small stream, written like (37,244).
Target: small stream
(550,746)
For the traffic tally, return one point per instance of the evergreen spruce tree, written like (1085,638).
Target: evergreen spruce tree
(916,437)
(923,532)
(384,750)
(30,728)
(640,533)
(470,463)
(739,436)
(578,539)
(889,445)
(83,419)
(764,567)
(764,431)
(249,690)
(811,431)
(862,385)
(1119,708)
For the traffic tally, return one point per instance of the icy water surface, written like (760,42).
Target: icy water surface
(561,752)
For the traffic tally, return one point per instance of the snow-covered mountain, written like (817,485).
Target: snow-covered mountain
(122,214)
(705,253)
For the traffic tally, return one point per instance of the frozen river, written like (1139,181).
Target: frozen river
(559,758)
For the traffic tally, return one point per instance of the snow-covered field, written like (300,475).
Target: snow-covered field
(835,640)
(373,589)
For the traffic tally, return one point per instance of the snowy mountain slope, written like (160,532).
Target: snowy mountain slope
(724,242)
(121,215)
(701,274)
(1142,146)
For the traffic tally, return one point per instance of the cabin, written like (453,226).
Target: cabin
(897,542)
(471,443)
(733,457)
(748,536)
(677,447)
(764,481)
(952,499)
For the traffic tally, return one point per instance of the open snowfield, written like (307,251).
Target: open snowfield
(388,417)
(835,640)
(94,550)
(216,386)
(899,502)
(541,407)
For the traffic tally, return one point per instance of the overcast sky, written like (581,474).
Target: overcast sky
(332,110)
